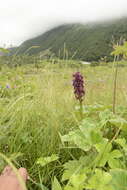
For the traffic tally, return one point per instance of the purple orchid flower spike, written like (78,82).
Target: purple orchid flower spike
(78,84)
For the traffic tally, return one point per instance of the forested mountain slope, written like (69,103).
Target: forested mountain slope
(81,41)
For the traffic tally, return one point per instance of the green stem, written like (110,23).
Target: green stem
(115,85)
(81,110)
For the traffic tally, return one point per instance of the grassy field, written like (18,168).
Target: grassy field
(36,104)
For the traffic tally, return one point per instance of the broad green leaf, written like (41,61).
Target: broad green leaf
(105,115)
(120,50)
(56,185)
(119,179)
(114,163)
(96,137)
(104,150)
(122,143)
(76,137)
(94,108)
(102,159)
(71,167)
(77,180)
(81,141)
(116,154)
(86,126)
(104,146)
(106,155)
(85,137)
(119,122)
(70,136)
(78,166)
(99,181)
(46,160)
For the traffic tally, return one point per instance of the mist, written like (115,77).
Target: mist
(23,19)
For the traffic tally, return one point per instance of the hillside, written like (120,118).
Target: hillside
(80,41)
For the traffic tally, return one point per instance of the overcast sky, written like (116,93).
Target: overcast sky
(23,19)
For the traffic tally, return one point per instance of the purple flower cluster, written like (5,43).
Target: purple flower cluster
(78,84)
(8,86)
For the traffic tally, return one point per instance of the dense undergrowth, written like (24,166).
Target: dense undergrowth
(41,128)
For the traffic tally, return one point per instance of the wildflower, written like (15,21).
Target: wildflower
(78,84)
(8,86)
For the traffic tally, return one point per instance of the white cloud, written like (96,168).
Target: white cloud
(23,19)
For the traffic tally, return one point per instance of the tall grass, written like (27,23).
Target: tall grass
(43,105)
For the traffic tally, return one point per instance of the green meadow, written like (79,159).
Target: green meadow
(38,108)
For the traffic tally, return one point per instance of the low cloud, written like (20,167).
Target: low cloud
(24,19)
